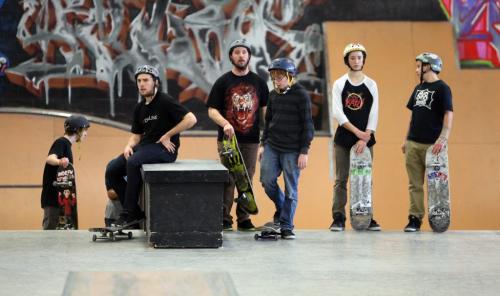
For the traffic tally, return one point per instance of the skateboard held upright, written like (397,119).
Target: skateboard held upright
(231,155)
(360,193)
(66,196)
(438,189)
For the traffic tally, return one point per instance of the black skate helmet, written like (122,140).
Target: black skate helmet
(240,43)
(353,47)
(75,123)
(147,69)
(432,59)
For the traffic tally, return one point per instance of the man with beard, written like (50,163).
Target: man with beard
(234,104)
(157,122)
(355,108)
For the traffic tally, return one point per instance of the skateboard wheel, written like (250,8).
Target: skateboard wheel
(129,234)
(256,236)
(112,236)
(94,238)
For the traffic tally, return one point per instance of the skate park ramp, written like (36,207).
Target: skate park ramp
(149,283)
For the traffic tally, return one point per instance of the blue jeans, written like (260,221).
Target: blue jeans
(272,164)
(128,190)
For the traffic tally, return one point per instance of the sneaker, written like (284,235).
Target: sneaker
(374,226)
(227,226)
(126,219)
(287,234)
(122,221)
(338,223)
(413,224)
(246,226)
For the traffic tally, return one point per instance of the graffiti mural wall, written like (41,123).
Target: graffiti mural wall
(80,55)
(477,27)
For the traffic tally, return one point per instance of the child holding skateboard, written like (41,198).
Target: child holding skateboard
(60,154)
(287,135)
(431,119)
(234,104)
(355,108)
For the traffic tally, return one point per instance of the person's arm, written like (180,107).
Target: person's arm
(54,161)
(268,114)
(373,117)
(187,122)
(132,142)
(445,132)
(307,130)
(215,115)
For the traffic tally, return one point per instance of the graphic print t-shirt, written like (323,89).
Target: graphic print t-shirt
(428,102)
(153,120)
(62,148)
(239,99)
(357,104)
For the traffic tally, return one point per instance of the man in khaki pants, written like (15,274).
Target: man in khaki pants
(430,124)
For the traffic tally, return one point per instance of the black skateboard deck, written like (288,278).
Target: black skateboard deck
(113,233)
(269,232)
(66,196)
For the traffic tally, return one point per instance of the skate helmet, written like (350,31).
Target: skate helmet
(284,64)
(147,69)
(75,123)
(432,59)
(240,43)
(353,47)
(287,65)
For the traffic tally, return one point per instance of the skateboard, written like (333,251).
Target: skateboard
(113,233)
(66,197)
(360,193)
(438,189)
(233,160)
(271,232)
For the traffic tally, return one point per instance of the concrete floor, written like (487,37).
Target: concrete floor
(316,263)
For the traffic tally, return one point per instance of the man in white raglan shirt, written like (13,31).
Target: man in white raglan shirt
(355,108)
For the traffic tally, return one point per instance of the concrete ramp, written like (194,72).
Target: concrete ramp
(149,283)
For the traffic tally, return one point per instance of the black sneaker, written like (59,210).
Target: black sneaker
(338,223)
(413,224)
(374,226)
(227,226)
(246,226)
(122,221)
(287,234)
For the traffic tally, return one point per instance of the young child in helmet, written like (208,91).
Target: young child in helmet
(60,154)
(355,108)
(285,141)
(430,125)
(158,120)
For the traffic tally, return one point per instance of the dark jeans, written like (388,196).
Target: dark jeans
(128,189)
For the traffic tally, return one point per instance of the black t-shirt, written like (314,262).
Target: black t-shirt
(428,102)
(62,148)
(153,120)
(357,101)
(239,99)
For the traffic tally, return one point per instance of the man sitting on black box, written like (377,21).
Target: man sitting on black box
(158,120)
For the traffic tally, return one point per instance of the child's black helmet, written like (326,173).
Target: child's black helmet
(75,122)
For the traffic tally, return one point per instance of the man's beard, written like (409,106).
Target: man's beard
(241,68)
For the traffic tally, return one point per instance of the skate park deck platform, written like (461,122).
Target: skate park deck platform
(318,262)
